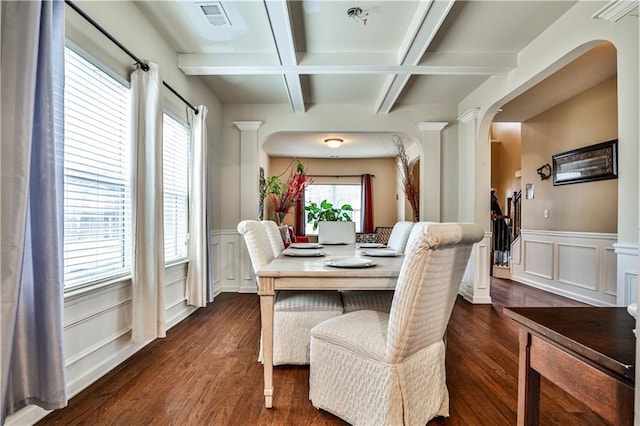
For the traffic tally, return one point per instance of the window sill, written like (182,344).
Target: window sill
(94,286)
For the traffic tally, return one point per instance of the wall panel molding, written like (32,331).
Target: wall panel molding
(581,266)
(229,265)
(538,258)
(584,274)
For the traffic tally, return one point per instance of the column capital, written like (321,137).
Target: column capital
(435,126)
(247,125)
(469,115)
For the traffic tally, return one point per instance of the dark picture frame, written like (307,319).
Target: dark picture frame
(595,162)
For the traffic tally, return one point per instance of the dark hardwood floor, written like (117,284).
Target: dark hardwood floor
(205,373)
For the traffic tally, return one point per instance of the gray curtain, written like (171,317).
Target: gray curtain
(32,72)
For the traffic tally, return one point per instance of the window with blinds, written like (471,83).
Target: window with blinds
(176,149)
(97,201)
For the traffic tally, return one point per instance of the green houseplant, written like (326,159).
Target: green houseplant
(326,212)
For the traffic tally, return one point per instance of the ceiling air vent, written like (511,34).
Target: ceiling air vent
(214,14)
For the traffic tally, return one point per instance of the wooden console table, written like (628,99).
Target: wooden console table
(589,352)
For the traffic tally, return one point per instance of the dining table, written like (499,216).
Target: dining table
(319,267)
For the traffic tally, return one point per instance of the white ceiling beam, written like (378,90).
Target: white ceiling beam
(441,64)
(384,59)
(616,10)
(346,70)
(346,58)
(389,96)
(282,30)
(427,20)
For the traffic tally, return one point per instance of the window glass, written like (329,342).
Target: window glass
(336,194)
(97,201)
(176,148)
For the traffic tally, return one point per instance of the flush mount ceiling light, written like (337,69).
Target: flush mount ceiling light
(333,142)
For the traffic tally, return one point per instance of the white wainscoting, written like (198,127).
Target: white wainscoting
(232,262)
(475,286)
(581,266)
(97,332)
(627,273)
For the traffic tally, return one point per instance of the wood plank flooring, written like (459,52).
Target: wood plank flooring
(205,373)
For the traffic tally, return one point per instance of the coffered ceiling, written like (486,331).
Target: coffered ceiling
(380,54)
(377,54)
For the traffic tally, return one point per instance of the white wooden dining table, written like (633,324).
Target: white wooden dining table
(312,273)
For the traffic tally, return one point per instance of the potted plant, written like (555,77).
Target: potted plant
(327,212)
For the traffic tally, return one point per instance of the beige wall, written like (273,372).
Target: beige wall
(505,160)
(385,186)
(586,119)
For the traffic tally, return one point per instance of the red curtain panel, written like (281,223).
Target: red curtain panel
(367,205)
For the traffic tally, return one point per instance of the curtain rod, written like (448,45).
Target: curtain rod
(144,66)
(339,176)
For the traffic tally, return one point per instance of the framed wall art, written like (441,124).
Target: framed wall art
(595,162)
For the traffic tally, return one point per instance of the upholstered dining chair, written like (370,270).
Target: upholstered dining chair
(399,236)
(337,231)
(294,312)
(275,238)
(370,367)
(357,300)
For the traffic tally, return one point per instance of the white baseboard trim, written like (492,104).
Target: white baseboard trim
(560,292)
(29,415)
(477,300)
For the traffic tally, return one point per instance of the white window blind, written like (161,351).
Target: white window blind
(176,148)
(97,201)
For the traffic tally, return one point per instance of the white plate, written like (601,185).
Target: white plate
(370,245)
(305,253)
(304,245)
(349,262)
(333,243)
(383,252)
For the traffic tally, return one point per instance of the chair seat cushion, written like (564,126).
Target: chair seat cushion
(308,301)
(368,300)
(361,332)
(295,313)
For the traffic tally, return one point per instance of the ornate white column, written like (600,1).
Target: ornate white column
(430,173)
(249,192)
(472,157)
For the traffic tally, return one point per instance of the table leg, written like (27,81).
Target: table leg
(528,384)
(266,292)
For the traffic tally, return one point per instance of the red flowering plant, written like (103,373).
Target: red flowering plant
(286,195)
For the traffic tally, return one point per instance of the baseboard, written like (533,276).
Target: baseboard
(560,292)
